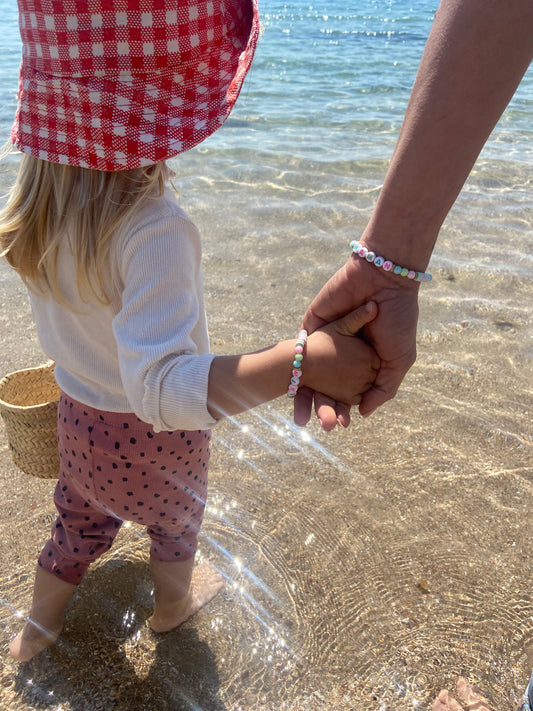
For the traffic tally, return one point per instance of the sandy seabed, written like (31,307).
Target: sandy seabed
(365,569)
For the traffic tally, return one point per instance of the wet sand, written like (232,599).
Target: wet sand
(366,569)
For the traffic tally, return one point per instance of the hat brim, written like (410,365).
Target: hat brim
(126,119)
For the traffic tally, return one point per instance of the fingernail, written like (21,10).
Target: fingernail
(370,412)
(320,421)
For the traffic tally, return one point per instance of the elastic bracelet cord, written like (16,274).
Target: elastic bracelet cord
(297,364)
(387,265)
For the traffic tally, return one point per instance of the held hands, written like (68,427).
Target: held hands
(340,364)
(392,333)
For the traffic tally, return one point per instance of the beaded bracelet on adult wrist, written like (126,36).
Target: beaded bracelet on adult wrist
(297,363)
(387,265)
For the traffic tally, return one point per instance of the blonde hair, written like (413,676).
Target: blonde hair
(47,197)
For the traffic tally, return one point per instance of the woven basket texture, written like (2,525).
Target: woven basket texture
(28,405)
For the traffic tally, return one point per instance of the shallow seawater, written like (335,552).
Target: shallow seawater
(368,568)
(365,569)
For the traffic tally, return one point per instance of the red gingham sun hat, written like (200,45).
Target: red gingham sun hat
(117,84)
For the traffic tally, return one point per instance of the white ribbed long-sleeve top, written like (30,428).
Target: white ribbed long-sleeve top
(146,352)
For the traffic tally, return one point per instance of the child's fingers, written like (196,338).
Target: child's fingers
(353,322)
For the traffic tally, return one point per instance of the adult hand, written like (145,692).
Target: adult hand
(460,91)
(392,334)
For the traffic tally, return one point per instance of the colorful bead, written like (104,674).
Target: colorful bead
(297,364)
(386,264)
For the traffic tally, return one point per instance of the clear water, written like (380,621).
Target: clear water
(367,568)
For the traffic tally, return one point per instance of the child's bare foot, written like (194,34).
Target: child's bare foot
(205,584)
(45,620)
(32,640)
(468,695)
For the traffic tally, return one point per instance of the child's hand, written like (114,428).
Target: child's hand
(337,362)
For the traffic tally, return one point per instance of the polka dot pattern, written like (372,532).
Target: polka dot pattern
(114,467)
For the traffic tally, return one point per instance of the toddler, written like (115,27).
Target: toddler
(109,90)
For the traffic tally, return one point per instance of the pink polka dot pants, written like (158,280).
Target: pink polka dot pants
(114,467)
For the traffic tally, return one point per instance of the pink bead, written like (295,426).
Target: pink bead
(386,264)
(297,373)
(299,349)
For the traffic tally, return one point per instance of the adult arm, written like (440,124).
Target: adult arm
(474,59)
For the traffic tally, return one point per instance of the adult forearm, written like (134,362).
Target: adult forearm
(475,57)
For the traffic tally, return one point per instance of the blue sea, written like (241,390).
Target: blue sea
(330,80)
(319,115)
(366,568)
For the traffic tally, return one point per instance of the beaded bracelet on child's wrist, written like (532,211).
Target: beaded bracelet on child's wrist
(297,363)
(387,265)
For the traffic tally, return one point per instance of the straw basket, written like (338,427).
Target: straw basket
(28,405)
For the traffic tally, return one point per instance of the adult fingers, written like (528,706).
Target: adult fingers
(332,412)
(385,387)
(303,404)
(335,298)
(325,411)
(343,414)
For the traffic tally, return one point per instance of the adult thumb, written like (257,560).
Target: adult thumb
(354,321)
